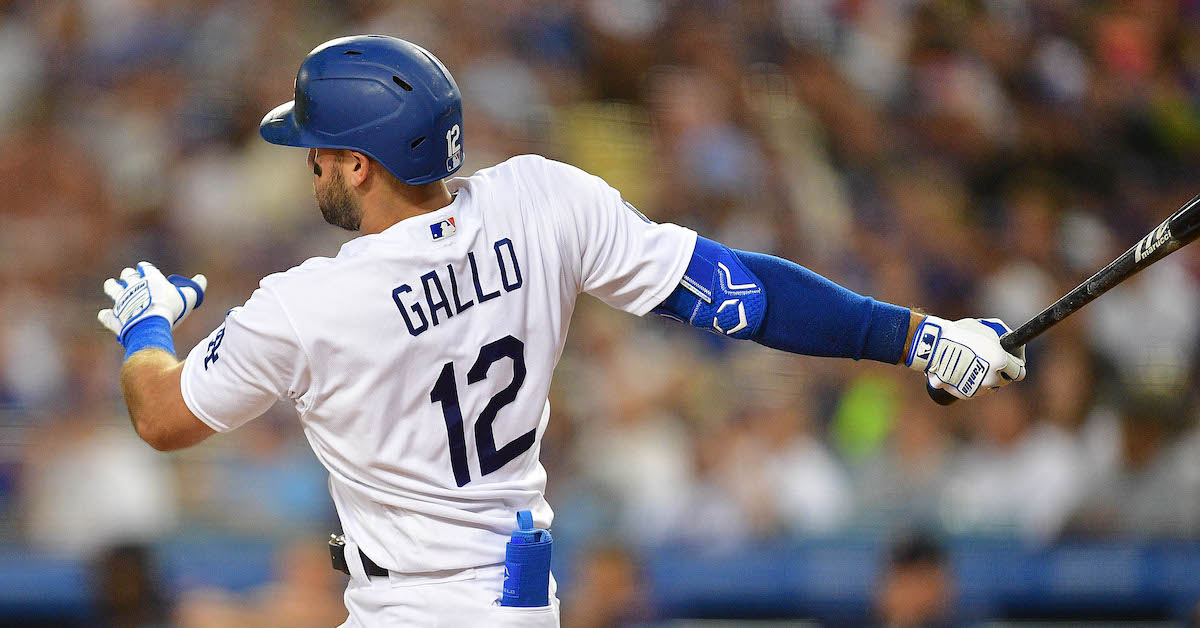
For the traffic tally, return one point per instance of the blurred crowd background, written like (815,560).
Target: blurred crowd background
(967,157)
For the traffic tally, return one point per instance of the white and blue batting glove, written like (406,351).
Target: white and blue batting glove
(144,292)
(964,357)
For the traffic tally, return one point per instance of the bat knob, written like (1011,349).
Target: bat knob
(942,397)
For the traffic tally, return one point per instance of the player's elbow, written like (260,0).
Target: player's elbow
(152,434)
(170,432)
(156,406)
(147,419)
(154,421)
(158,443)
(169,444)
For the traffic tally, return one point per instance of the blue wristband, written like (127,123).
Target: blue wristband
(153,332)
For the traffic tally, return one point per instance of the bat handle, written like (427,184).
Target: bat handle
(1013,340)
(944,398)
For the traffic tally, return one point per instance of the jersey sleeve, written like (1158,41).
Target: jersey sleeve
(615,252)
(245,365)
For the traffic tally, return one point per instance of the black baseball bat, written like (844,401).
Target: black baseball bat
(1181,228)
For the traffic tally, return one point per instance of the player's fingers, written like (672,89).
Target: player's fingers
(146,268)
(937,383)
(1014,369)
(996,325)
(109,320)
(113,288)
(129,275)
(191,291)
(201,281)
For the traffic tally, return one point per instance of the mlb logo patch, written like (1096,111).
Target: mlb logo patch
(443,229)
(929,337)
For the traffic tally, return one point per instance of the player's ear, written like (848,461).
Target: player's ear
(357,167)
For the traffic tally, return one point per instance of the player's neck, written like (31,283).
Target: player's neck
(394,204)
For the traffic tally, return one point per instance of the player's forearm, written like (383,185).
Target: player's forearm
(780,304)
(150,384)
(811,315)
(144,379)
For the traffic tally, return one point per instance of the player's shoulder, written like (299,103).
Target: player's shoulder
(541,180)
(515,165)
(298,276)
(537,170)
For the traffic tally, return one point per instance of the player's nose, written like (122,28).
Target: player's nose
(312,161)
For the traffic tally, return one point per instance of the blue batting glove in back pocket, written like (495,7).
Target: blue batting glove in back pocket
(527,565)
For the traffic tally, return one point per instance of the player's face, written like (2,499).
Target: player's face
(337,203)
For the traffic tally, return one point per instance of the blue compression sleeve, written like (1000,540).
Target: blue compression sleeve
(153,331)
(811,315)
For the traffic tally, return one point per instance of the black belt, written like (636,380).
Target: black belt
(337,552)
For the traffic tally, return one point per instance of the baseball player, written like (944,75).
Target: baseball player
(419,358)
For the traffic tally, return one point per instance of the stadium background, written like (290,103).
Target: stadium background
(968,157)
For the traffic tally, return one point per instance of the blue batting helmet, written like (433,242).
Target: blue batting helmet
(382,96)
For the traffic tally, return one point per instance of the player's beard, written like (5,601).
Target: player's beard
(338,206)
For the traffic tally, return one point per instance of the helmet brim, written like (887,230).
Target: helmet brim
(279,127)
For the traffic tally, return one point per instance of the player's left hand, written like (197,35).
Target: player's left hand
(964,357)
(144,292)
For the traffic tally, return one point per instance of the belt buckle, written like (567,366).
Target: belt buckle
(337,552)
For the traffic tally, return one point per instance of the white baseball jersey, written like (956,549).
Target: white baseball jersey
(419,359)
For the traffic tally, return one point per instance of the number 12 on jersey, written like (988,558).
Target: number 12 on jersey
(445,392)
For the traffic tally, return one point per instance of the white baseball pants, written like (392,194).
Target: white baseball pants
(453,599)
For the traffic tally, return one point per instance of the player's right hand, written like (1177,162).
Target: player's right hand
(144,292)
(964,357)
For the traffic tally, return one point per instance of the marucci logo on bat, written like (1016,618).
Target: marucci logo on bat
(1149,244)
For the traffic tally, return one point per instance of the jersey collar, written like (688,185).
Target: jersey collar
(413,228)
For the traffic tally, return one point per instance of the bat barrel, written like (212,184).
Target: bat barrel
(1185,223)
(1181,228)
